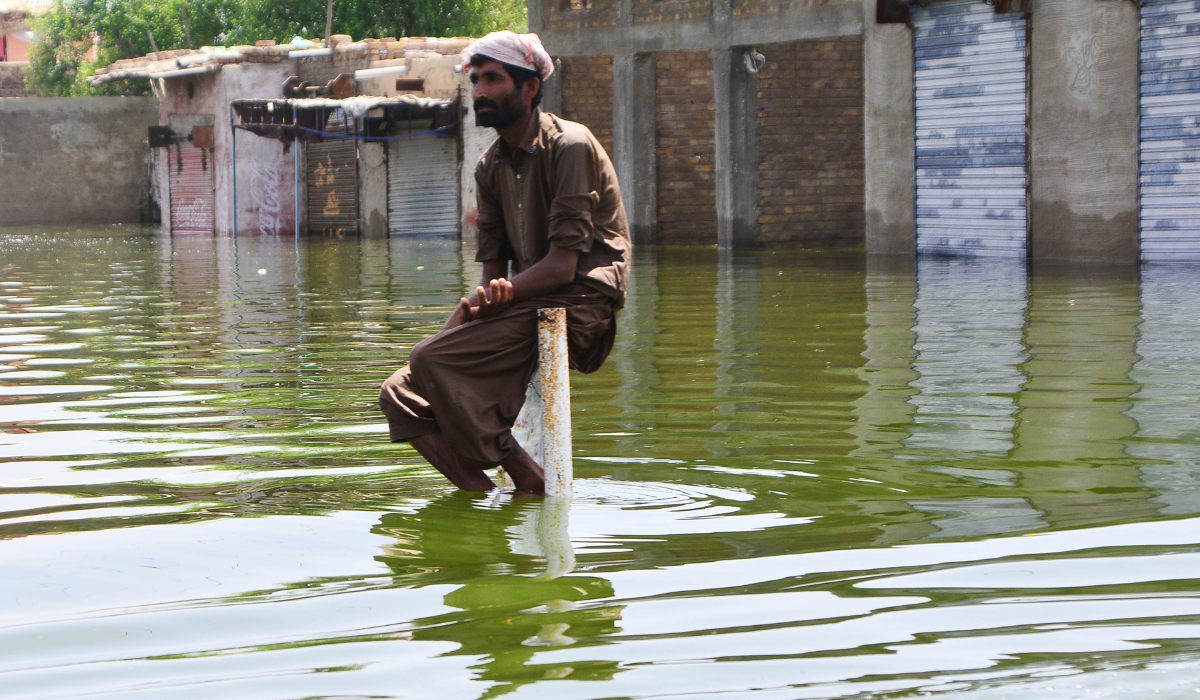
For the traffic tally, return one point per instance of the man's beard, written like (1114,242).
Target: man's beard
(503,114)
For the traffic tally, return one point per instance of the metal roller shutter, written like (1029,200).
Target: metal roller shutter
(423,187)
(332,169)
(971,106)
(1169,131)
(191,183)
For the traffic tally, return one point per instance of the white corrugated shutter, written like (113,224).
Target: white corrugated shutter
(971,104)
(1169,131)
(423,186)
(191,183)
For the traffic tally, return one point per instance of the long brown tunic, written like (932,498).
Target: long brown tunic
(558,188)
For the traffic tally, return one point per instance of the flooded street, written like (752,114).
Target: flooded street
(799,475)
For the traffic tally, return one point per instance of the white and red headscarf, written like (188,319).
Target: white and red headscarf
(520,50)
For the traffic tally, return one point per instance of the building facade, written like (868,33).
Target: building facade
(358,138)
(1045,129)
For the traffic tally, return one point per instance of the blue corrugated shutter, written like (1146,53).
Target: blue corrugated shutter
(971,104)
(1169,132)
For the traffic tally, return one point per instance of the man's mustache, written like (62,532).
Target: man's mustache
(485,103)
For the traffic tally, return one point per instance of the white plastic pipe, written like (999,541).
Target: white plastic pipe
(556,402)
(368,73)
(309,53)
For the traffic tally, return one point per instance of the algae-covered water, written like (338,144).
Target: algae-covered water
(799,475)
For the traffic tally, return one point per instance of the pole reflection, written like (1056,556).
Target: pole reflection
(512,591)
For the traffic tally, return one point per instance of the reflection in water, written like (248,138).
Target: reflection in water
(970,314)
(1166,410)
(799,475)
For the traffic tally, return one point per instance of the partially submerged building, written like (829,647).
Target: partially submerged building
(358,138)
(1048,129)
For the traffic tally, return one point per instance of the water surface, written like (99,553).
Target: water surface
(800,475)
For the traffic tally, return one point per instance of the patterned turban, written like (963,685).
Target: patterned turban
(520,50)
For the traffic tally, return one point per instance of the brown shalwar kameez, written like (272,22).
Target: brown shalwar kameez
(558,188)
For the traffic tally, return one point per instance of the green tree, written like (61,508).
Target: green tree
(59,62)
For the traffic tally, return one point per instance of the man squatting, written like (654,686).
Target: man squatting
(549,204)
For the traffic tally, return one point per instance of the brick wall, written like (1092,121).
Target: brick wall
(587,95)
(810,143)
(12,80)
(647,11)
(752,7)
(556,14)
(683,101)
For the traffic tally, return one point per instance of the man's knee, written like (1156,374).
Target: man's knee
(424,356)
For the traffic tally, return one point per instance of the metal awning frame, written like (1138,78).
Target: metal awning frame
(306,120)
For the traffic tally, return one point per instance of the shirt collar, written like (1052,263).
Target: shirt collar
(532,140)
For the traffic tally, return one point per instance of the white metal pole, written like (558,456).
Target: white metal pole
(556,402)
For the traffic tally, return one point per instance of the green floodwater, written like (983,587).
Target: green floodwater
(799,475)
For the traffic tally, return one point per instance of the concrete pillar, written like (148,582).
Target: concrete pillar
(888,136)
(552,90)
(534,16)
(634,143)
(736,152)
(1083,130)
(372,190)
(624,13)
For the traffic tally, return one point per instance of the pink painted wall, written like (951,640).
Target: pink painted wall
(17,49)
(265,174)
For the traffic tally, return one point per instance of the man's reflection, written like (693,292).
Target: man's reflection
(510,605)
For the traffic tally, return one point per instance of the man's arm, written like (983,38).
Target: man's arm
(497,294)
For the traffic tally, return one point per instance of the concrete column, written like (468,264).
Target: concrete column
(624,13)
(372,190)
(743,151)
(736,153)
(888,123)
(534,16)
(634,143)
(1083,130)
(552,90)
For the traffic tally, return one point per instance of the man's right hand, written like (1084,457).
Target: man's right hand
(497,297)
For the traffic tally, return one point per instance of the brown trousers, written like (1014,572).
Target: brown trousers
(469,382)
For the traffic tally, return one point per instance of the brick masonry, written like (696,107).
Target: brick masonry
(683,98)
(810,143)
(587,94)
(649,11)
(12,80)
(557,14)
(753,7)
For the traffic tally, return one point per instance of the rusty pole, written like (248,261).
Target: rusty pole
(556,402)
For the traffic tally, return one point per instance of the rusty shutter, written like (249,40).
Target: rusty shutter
(191,183)
(333,183)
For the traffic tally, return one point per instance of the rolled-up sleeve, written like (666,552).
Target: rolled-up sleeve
(575,198)
(493,236)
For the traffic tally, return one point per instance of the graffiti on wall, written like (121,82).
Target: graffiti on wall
(265,196)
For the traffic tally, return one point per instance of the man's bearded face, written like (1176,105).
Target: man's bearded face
(499,114)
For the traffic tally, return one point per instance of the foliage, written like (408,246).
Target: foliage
(59,61)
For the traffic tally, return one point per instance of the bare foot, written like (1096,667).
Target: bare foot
(524,472)
(434,448)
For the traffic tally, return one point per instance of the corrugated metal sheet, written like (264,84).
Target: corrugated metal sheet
(423,187)
(191,183)
(971,104)
(332,169)
(1169,131)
